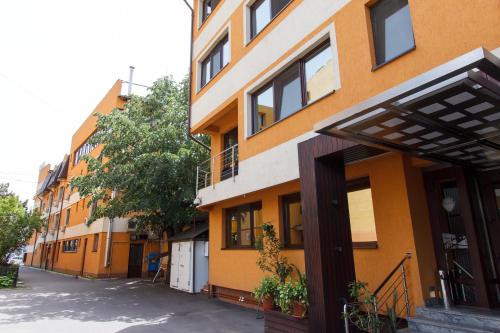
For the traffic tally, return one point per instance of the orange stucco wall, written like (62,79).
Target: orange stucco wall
(395,218)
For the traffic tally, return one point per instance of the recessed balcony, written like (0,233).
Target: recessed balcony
(217,168)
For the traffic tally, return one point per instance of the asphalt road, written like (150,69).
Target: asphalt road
(49,302)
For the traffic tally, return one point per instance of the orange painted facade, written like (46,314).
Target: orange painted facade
(46,250)
(396,180)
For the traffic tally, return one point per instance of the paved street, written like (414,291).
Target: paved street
(49,302)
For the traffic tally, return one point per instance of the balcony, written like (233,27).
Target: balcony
(218,168)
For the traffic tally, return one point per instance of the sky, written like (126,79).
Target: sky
(58,58)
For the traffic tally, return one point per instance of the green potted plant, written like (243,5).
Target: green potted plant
(285,296)
(270,258)
(364,314)
(266,292)
(299,295)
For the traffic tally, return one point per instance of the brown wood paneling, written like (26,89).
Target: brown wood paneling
(328,250)
(278,322)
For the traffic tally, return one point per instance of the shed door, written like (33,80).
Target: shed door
(185,266)
(174,266)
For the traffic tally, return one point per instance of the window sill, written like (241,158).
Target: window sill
(238,248)
(203,87)
(374,68)
(299,110)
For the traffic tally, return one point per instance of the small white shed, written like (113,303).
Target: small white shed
(189,261)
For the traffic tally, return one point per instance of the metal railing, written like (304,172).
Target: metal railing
(217,168)
(391,298)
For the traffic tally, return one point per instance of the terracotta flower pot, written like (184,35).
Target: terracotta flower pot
(299,310)
(268,303)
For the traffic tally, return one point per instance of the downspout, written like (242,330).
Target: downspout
(107,255)
(47,229)
(58,228)
(191,81)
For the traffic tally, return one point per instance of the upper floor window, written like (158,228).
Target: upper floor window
(264,11)
(208,8)
(303,82)
(215,61)
(83,150)
(68,213)
(392,29)
(244,225)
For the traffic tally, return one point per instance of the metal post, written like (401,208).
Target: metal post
(443,276)
(197,180)
(405,288)
(232,162)
(212,171)
(346,320)
(130,78)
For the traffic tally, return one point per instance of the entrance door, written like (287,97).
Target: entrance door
(490,190)
(230,140)
(174,266)
(455,237)
(135,261)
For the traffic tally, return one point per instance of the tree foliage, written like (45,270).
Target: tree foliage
(17,223)
(147,158)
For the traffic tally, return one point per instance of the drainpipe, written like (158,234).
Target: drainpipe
(107,255)
(47,231)
(191,80)
(58,228)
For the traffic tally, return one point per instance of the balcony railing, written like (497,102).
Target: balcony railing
(219,167)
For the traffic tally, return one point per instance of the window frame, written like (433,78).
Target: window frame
(373,20)
(95,243)
(204,15)
(71,246)
(286,200)
(250,208)
(252,7)
(303,86)
(219,47)
(68,216)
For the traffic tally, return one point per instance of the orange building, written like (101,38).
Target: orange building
(69,244)
(365,131)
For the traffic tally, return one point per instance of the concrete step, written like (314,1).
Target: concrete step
(462,317)
(419,324)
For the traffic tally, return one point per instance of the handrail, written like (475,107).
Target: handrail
(223,164)
(469,274)
(406,257)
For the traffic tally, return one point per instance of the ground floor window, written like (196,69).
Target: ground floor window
(244,225)
(361,215)
(70,245)
(95,245)
(292,220)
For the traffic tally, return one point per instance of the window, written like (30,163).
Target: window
(208,8)
(83,150)
(215,61)
(57,221)
(292,221)
(264,11)
(70,245)
(303,82)
(244,225)
(68,213)
(392,29)
(95,245)
(361,215)
(362,218)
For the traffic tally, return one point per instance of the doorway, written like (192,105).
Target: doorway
(135,261)
(456,216)
(229,156)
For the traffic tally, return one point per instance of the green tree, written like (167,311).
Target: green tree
(17,223)
(147,158)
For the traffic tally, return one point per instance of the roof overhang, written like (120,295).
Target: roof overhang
(450,113)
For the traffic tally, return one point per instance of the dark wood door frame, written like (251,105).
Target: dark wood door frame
(486,182)
(432,181)
(135,245)
(328,253)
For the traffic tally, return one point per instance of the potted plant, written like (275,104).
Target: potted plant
(299,294)
(266,292)
(270,258)
(364,314)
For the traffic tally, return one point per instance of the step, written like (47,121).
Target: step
(419,324)
(460,316)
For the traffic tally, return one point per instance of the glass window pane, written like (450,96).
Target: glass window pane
(246,230)
(392,29)
(216,61)
(207,72)
(295,223)
(261,16)
(319,74)
(233,229)
(225,53)
(257,223)
(277,6)
(361,216)
(288,93)
(264,113)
